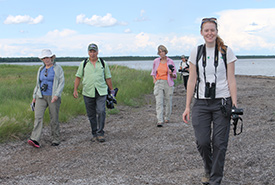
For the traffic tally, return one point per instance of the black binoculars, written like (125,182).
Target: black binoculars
(210,92)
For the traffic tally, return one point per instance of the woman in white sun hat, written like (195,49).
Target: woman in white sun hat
(47,93)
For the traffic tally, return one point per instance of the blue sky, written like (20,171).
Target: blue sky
(132,28)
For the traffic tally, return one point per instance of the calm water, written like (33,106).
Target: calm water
(264,67)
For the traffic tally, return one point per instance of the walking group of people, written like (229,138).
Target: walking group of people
(50,84)
(209,76)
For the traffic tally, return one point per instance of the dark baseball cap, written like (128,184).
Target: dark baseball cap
(92,47)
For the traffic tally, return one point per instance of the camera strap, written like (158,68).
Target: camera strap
(86,61)
(235,123)
(199,56)
(216,63)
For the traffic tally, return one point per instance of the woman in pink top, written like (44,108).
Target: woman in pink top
(163,77)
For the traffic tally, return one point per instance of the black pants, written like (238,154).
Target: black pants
(185,80)
(207,117)
(95,108)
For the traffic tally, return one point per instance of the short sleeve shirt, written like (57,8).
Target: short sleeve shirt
(222,89)
(94,78)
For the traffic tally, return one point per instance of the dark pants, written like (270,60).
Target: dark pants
(95,108)
(185,80)
(212,150)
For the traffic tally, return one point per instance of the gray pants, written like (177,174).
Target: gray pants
(95,108)
(41,105)
(163,94)
(212,150)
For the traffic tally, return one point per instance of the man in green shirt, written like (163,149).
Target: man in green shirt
(96,80)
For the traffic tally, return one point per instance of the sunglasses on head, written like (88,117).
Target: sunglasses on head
(212,19)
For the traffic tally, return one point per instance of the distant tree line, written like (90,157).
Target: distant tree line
(74,59)
(112,58)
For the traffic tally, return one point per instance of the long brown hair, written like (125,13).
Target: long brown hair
(220,44)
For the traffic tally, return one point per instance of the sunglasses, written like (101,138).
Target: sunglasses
(212,19)
(46,72)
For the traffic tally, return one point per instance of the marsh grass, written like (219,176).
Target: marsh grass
(17,84)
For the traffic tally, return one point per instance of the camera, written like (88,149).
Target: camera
(111,100)
(235,112)
(185,69)
(171,67)
(44,87)
(210,91)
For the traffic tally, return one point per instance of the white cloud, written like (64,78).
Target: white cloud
(143,40)
(248,29)
(23,19)
(128,30)
(142,12)
(63,33)
(69,43)
(99,21)
(142,17)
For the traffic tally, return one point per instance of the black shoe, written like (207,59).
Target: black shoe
(159,125)
(54,144)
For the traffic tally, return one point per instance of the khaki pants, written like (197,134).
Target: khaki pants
(40,106)
(163,94)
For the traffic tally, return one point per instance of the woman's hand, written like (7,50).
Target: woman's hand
(186,115)
(54,99)
(171,73)
(154,80)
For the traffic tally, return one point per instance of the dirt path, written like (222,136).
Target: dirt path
(137,152)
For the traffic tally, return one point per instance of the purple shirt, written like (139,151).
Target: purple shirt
(170,80)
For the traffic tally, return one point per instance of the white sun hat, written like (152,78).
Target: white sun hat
(46,53)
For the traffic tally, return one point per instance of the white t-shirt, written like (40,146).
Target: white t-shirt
(184,65)
(222,89)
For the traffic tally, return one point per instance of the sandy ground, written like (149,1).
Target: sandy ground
(137,152)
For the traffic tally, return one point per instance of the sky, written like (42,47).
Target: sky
(132,28)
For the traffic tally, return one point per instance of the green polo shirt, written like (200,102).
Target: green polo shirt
(94,78)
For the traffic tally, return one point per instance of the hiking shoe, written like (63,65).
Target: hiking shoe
(205,179)
(54,144)
(33,143)
(94,138)
(159,124)
(101,139)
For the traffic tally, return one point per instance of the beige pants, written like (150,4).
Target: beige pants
(40,106)
(163,93)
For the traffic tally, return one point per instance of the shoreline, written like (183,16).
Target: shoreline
(256,76)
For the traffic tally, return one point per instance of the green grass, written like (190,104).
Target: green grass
(17,84)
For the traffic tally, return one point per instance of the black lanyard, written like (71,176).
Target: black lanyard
(215,62)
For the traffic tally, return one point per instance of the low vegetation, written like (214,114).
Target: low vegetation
(18,81)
